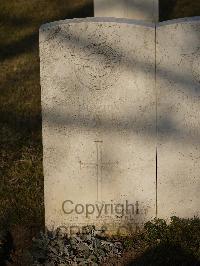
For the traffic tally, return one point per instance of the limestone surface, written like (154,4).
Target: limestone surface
(178,87)
(146,10)
(99,122)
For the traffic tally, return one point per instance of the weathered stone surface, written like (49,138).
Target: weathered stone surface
(178,84)
(146,10)
(98,106)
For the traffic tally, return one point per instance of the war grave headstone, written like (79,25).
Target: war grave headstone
(178,86)
(99,122)
(120,107)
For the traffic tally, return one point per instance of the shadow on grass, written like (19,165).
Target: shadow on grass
(21,183)
(6,249)
(172,9)
(30,41)
(21,152)
(165,254)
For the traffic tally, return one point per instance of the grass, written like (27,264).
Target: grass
(21,183)
(21,188)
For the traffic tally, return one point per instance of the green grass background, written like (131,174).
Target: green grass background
(21,183)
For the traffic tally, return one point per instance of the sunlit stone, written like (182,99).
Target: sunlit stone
(178,84)
(99,122)
(146,10)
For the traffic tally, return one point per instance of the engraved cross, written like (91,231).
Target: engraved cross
(99,165)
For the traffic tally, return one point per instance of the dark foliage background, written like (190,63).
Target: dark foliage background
(21,176)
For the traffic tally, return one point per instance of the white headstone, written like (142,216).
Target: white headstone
(147,10)
(99,123)
(178,84)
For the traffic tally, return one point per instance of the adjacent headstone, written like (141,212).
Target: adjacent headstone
(99,123)
(178,85)
(147,10)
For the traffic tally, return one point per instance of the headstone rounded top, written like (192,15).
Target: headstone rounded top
(113,20)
